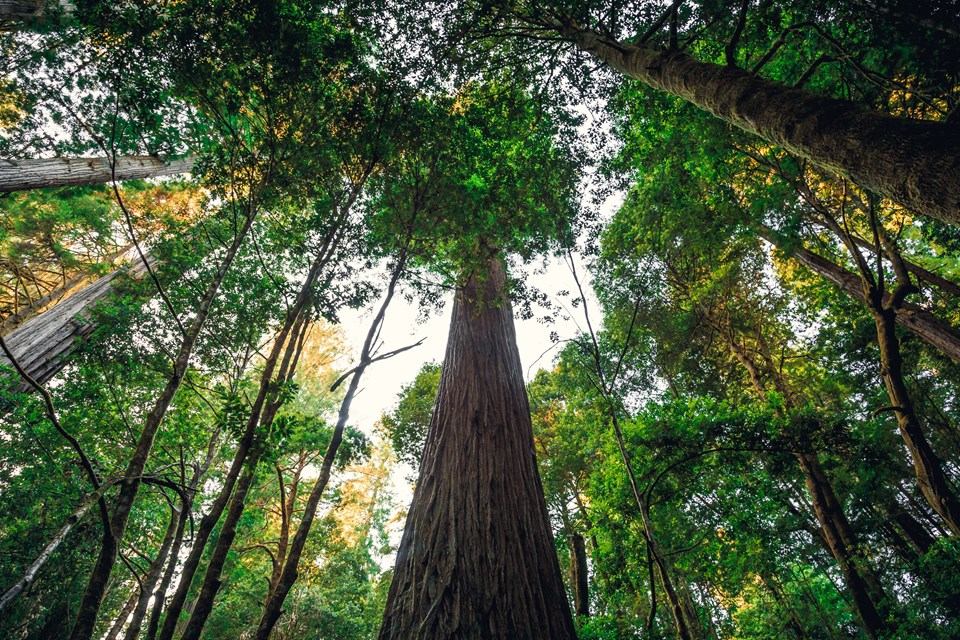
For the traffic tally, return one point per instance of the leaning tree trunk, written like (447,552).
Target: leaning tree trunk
(913,162)
(915,319)
(41,173)
(928,467)
(477,558)
(43,343)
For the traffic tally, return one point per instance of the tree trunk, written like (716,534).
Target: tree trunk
(42,173)
(42,343)
(835,530)
(579,578)
(918,321)
(927,465)
(31,573)
(211,579)
(153,576)
(477,558)
(914,162)
(122,616)
(280,587)
(130,485)
(867,592)
(247,440)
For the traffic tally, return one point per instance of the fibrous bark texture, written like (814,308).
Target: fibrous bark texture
(20,175)
(42,343)
(913,162)
(477,558)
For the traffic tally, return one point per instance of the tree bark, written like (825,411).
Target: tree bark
(247,440)
(914,162)
(273,607)
(927,465)
(31,573)
(130,485)
(579,576)
(918,321)
(153,576)
(42,173)
(42,344)
(477,558)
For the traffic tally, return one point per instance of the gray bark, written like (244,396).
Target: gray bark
(42,343)
(21,175)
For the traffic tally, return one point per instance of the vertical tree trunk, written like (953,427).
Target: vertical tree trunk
(20,175)
(913,162)
(579,578)
(130,485)
(477,558)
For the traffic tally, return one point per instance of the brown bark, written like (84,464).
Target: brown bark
(186,506)
(835,530)
(926,326)
(914,162)
(579,576)
(153,575)
(212,517)
(130,485)
(121,618)
(477,558)
(927,465)
(42,173)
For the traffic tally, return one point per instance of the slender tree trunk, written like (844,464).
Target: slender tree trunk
(247,440)
(835,530)
(31,572)
(130,485)
(867,592)
(20,175)
(914,162)
(153,623)
(121,618)
(927,465)
(273,607)
(211,579)
(477,558)
(935,332)
(153,576)
(579,578)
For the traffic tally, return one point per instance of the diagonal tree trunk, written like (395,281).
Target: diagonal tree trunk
(914,162)
(477,558)
(915,319)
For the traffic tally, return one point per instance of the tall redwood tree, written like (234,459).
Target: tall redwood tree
(477,558)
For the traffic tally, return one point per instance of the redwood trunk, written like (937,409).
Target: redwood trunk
(21,175)
(477,558)
(42,343)
(914,162)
